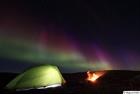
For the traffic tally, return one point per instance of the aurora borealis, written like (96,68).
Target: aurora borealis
(76,35)
(40,53)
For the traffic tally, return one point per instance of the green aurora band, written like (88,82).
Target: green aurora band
(32,52)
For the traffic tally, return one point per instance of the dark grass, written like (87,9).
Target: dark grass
(113,82)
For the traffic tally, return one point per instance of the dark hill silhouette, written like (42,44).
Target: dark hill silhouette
(5,78)
(113,81)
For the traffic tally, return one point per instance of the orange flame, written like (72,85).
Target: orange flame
(93,76)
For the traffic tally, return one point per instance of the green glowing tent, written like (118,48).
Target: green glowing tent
(37,77)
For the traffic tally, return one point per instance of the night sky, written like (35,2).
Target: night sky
(75,35)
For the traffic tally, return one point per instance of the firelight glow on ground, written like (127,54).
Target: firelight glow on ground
(93,76)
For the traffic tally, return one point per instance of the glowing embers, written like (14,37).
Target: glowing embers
(93,76)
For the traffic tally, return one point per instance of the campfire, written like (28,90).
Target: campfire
(92,76)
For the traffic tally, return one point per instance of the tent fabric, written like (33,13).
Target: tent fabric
(41,76)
